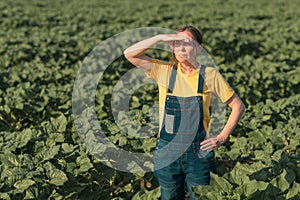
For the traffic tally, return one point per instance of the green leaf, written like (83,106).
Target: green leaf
(249,169)
(48,153)
(9,159)
(67,148)
(250,188)
(268,148)
(24,137)
(143,194)
(293,144)
(23,184)
(84,163)
(266,117)
(71,166)
(281,182)
(202,189)
(256,137)
(239,147)
(59,124)
(262,155)
(290,176)
(56,176)
(55,195)
(277,155)
(56,137)
(294,191)
(4,196)
(220,184)
(122,141)
(237,176)
(234,153)
(148,144)
(207,192)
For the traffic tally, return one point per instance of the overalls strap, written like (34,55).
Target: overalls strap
(172,79)
(201,79)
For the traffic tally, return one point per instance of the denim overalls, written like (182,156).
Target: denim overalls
(178,158)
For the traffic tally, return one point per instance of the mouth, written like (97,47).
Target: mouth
(182,55)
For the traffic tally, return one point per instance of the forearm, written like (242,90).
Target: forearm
(138,49)
(233,119)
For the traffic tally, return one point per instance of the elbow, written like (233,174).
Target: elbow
(241,108)
(126,54)
(237,105)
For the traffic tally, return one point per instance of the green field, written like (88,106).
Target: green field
(255,44)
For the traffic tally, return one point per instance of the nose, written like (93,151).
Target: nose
(181,48)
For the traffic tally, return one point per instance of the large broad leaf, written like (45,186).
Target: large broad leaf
(249,169)
(23,184)
(84,163)
(277,155)
(58,124)
(48,153)
(256,137)
(23,138)
(207,192)
(294,192)
(239,147)
(9,160)
(56,176)
(144,194)
(251,187)
(220,184)
(4,196)
(262,156)
(281,181)
(68,148)
(237,176)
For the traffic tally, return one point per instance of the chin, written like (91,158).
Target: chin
(181,60)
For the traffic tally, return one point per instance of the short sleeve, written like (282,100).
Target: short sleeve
(221,88)
(217,85)
(156,69)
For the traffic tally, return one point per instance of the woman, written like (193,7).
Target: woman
(185,88)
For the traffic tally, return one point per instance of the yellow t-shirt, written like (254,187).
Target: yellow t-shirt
(187,84)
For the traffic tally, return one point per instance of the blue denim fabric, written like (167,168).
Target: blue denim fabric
(178,159)
(190,168)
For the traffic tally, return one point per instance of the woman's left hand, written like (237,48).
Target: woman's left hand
(210,144)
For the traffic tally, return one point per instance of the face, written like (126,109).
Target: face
(185,50)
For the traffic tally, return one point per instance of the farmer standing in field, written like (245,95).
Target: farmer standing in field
(185,89)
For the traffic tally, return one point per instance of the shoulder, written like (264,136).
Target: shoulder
(213,72)
(210,72)
(159,68)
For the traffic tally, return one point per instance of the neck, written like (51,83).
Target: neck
(188,68)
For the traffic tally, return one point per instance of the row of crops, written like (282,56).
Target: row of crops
(43,45)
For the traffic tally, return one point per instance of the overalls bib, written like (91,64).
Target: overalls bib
(178,158)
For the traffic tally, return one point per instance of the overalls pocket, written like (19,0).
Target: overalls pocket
(206,156)
(169,123)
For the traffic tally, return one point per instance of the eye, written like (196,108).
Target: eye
(187,44)
(178,43)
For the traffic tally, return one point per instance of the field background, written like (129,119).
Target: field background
(255,44)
